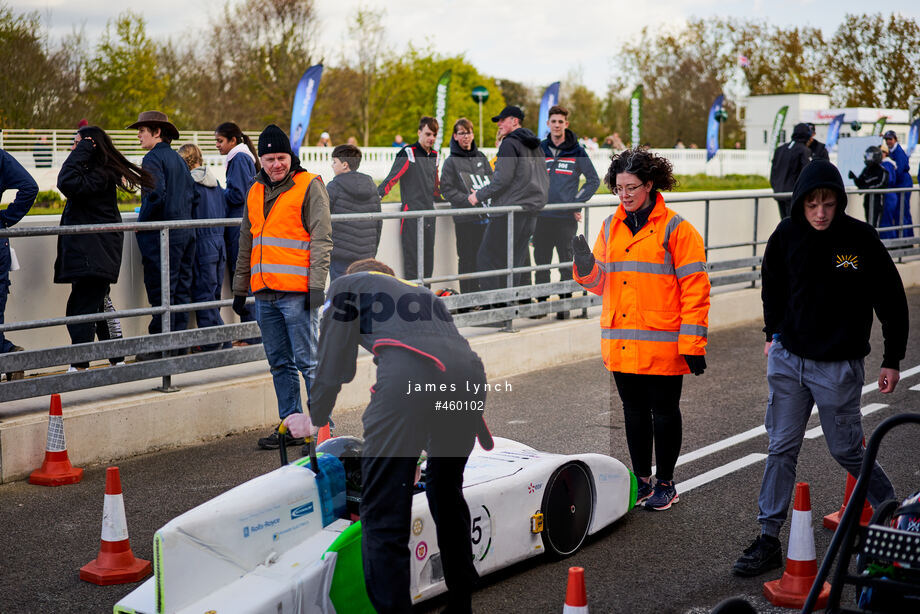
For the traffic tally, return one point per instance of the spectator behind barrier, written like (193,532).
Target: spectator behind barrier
(352,192)
(210,252)
(89,179)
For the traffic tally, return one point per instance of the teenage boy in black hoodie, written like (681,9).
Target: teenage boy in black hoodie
(520,179)
(824,273)
(566,162)
(465,170)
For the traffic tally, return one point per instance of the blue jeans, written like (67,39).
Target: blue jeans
(290,333)
(796,384)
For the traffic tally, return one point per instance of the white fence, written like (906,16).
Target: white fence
(43,151)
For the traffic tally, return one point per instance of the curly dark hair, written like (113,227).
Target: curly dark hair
(643,164)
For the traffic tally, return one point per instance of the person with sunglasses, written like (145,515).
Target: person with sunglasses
(649,265)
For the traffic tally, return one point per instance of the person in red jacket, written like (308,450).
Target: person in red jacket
(649,264)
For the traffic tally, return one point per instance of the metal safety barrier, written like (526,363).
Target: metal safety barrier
(498,308)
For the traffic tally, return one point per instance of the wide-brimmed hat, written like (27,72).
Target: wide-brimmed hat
(156,118)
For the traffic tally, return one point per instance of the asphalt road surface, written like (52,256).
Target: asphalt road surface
(673,561)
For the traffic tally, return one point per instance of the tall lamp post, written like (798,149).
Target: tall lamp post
(480,95)
(721,116)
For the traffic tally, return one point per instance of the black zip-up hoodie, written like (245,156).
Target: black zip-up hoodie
(820,287)
(464,170)
(520,173)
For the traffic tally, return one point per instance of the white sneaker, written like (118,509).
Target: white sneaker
(73,369)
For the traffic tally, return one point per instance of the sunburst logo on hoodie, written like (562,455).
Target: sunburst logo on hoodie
(847,261)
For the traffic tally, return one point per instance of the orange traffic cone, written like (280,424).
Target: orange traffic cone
(324,434)
(116,563)
(792,589)
(56,469)
(832,520)
(576,599)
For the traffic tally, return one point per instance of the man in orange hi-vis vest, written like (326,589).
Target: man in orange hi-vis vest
(649,264)
(285,244)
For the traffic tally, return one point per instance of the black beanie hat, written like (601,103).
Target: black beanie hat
(274,140)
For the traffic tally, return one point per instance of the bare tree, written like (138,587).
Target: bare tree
(368,52)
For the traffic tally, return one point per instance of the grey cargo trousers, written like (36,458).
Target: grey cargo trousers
(796,384)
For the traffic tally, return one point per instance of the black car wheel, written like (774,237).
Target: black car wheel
(567,509)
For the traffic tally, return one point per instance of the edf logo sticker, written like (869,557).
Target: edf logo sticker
(421,551)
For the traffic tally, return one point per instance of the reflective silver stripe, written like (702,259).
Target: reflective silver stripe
(607,224)
(591,282)
(640,267)
(280,242)
(693,267)
(636,334)
(592,286)
(693,329)
(287,269)
(673,223)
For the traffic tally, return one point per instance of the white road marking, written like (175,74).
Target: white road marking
(871,408)
(518,421)
(750,459)
(719,472)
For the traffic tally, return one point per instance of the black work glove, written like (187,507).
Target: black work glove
(696,363)
(584,259)
(315,298)
(239,306)
(852,175)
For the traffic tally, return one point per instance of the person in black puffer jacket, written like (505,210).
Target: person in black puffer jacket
(89,177)
(352,192)
(467,169)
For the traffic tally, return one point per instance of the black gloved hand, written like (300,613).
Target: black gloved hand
(315,298)
(696,363)
(239,306)
(584,259)
(852,175)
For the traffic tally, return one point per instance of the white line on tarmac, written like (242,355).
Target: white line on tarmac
(719,472)
(871,408)
(917,387)
(750,459)
(760,430)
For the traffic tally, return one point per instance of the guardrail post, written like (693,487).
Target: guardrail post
(706,231)
(754,242)
(507,328)
(420,249)
(166,385)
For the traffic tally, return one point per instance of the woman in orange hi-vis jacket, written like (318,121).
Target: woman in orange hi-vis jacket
(649,264)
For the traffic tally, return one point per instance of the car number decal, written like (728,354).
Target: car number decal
(481,533)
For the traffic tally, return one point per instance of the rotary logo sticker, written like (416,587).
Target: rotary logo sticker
(417,525)
(421,551)
(846,261)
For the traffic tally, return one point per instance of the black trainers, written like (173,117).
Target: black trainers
(271,442)
(644,490)
(664,496)
(764,554)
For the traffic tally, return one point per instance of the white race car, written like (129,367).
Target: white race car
(289,541)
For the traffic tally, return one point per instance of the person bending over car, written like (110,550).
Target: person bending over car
(423,366)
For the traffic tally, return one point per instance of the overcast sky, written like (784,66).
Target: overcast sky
(534,41)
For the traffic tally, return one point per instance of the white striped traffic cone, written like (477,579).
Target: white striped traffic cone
(115,563)
(792,589)
(576,599)
(56,469)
